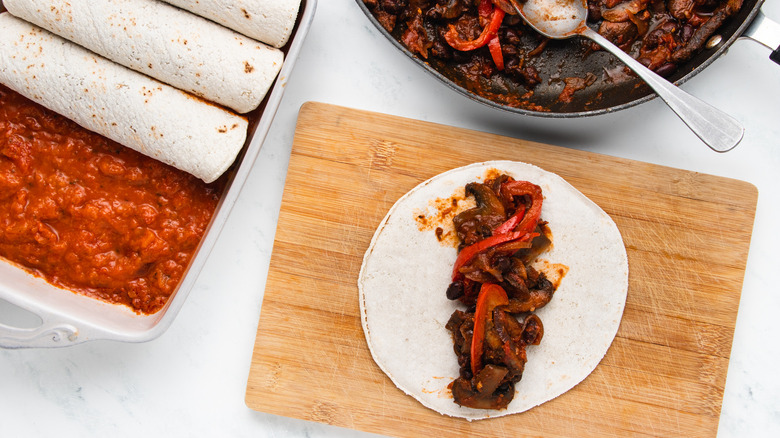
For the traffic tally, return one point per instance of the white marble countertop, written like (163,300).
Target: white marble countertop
(191,381)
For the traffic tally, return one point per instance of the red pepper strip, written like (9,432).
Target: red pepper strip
(484,9)
(495,51)
(466,254)
(490,296)
(511,223)
(489,31)
(520,188)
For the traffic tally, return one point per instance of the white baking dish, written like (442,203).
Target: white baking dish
(68,318)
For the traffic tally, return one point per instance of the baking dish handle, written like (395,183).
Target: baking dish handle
(766,32)
(45,335)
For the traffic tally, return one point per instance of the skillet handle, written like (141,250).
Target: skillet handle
(775,56)
(766,32)
(715,128)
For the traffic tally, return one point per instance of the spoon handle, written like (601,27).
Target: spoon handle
(718,130)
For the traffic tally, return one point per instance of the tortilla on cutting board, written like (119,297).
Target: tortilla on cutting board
(406,272)
(134,110)
(164,42)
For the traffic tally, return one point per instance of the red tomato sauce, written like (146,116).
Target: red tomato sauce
(92,216)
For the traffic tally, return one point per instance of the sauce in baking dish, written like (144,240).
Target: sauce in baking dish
(92,216)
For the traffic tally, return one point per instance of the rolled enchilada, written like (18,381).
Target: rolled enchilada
(269,21)
(164,42)
(132,109)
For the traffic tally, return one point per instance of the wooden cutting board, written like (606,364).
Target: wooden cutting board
(687,235)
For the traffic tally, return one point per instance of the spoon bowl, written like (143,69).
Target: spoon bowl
(560,19)
(556,19)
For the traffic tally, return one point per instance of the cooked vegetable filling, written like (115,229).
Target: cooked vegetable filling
(486,47)
(495,279)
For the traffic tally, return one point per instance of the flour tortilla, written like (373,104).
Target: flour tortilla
(269,21)
(164,42)
(136,111)
(406,272)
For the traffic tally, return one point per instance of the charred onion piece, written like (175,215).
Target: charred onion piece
(485,390)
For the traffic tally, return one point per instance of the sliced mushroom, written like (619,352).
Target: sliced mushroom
(535,299)
(477,223)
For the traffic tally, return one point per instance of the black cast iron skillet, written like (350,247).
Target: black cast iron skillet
(566,58)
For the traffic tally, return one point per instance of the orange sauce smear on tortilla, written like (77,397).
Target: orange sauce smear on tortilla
(442,210)
(92,216)
(553,271)
(439,216)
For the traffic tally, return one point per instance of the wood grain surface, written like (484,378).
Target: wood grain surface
(687,236)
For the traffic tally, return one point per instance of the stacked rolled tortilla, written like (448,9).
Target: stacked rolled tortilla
(140,72)
(269,21)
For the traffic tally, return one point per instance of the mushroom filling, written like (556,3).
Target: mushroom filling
(494,278)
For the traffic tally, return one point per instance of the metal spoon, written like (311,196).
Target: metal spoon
(561,19)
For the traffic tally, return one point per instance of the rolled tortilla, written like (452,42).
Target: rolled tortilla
(406,272)
(132,109)
(164,42)
(269,21)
